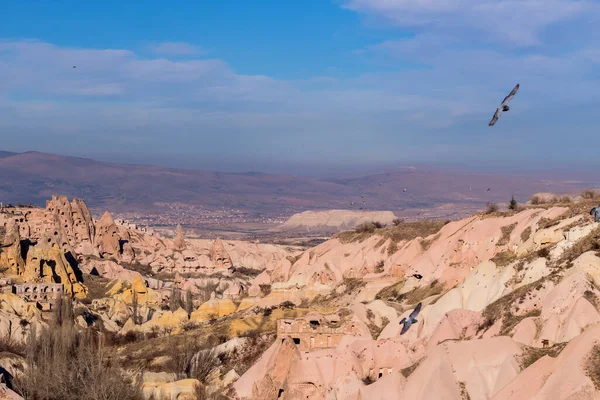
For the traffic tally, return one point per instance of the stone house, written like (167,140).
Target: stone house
(315,331)
(44,295)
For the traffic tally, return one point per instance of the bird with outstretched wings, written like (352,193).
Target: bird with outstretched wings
(407,322)
(504,105)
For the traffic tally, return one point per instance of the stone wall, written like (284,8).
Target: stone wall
(42,292)
(309,334)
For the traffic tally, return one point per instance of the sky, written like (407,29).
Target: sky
(303,85)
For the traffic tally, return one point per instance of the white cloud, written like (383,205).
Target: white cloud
(202,103)
(518,22)
(175,49)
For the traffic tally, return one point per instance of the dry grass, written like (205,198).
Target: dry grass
(589,194)
(390,293)
(392,248)
(97,286)
(65,364)
(591,242)
(592,366)
(426,243)
(532,354)
(526,234)
(491,208)
(510,320)
(502,307)
(504,258)
(506,231)
(423,292)
(464,394)
(409,370)
(353,284)
(592,298)
(293,259)
(397,233)
(373,328)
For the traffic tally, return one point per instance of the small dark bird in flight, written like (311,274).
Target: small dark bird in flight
(418,276)
(488,189)
(504,106)
(74,66)
(407,322)
(362,196)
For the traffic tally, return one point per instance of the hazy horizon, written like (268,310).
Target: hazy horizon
(333,171)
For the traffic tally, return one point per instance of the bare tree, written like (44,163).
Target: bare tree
(134,308)
(189,302)
(175,300)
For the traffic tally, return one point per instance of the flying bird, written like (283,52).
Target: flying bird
(404,190)
(503,106)
(407,322)
(488,189)
(74,66)
(596,213)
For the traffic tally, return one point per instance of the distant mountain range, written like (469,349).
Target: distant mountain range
(34,177)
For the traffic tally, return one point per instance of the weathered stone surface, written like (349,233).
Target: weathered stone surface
(178,390)
(219,255)
(107,236)
(179,242)
(11,253)
(214,308)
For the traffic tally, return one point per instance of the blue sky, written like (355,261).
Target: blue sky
(287,85)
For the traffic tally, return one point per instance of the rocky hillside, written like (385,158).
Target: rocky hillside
(509,306)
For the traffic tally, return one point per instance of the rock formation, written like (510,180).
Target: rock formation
(108,239)
(179,242)
(335,220)
(219,255)
(11,252)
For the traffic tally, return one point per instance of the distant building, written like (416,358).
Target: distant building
(44,295)
(315,331)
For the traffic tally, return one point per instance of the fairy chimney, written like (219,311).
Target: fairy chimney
(179,242)
(219,255)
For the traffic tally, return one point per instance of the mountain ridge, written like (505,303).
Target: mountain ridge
(35,176)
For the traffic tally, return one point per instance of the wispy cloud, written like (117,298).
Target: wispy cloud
(436,110)
(175,49)
(515,22)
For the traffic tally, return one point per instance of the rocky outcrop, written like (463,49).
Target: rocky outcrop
(212,309)
(11,252)
(335,220)
(108,239)
(219,256)
(46,262)
(184,389)
(72,222)
(179,242)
